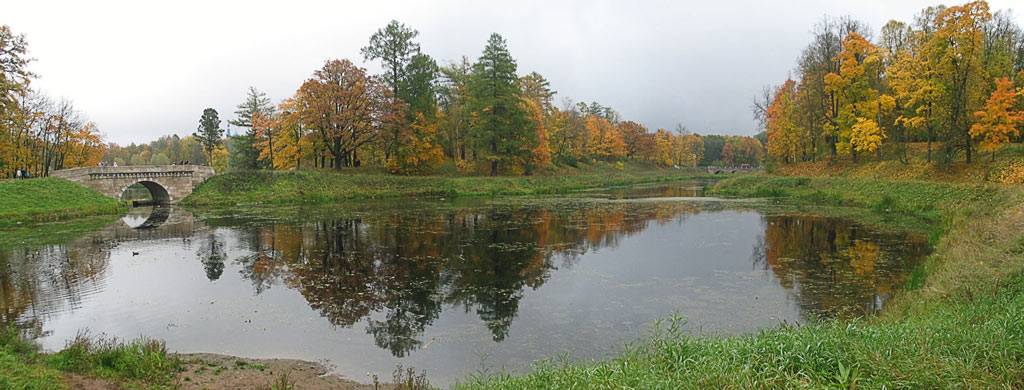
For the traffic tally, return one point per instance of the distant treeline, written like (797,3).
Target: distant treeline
(480,117)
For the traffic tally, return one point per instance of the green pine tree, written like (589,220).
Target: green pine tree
(209,133)
(502,125)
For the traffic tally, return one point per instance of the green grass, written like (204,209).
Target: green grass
(959,324)
(50,199)
(142,360)
(970,345)
(326,186)
(139,363)
(21,367)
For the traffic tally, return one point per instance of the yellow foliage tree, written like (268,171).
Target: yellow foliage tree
(419,151)
(866,136)
(605,141)
(541,156)
(219,158)
(783,134)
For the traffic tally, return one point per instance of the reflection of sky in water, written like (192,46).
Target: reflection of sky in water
(137,216)
(590,300)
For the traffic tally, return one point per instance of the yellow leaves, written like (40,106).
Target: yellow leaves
(1012,174)
(605,141)
(863,257)
(219,158)
(887,103)
(834,82)
(419,151)
(783,133)
(866,136)
(541,153)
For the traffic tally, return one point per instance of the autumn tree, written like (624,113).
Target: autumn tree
(209,134)
(856,86)
(783,135)
(691,150)
(998,121)
(605,141)
(419,152)
(818,105)
(14,88)
(633,135)
(540,156)
(664,143)
(294,142)
(501,124)
(346,107)
(538,89)
(955,51)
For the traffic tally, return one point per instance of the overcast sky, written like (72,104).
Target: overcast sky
(141,69)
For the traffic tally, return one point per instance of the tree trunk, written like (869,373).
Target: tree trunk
(494,154)
(968,149)
(929,136)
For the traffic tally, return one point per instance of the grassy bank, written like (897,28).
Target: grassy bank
(958,327)
(96,361)
(327,186)
(50,199)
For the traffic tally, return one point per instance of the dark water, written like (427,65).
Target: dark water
(449,287)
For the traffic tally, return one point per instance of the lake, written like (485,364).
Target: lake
(452,287)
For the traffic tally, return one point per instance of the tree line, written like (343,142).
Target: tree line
(481,117)
(38,133)
(953,79)
(478,117)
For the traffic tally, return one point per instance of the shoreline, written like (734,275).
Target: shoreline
(222,372)
(317,187)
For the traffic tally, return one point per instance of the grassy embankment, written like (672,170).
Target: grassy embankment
(49,199)
(327,186)
(959,325)
(136,364)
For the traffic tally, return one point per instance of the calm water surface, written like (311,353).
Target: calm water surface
(450,287)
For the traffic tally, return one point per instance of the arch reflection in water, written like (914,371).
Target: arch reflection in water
(40,280)
(146,217)
(517,281)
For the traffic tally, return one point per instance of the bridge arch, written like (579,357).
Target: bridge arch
(156,190)
(167,183)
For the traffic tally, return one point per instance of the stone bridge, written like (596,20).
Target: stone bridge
(740,169)
(167,183)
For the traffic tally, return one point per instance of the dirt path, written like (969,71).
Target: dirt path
(216,372)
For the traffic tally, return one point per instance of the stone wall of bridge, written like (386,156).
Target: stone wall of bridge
(167,183)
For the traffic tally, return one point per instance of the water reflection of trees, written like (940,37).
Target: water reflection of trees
(398,270)
(835,267)
(39,279)
(38,282)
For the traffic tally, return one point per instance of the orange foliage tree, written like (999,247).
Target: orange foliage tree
(998,121)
